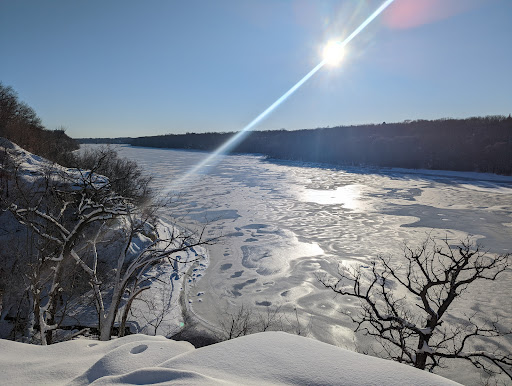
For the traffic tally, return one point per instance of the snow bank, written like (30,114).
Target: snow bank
(264,358)
(32,168)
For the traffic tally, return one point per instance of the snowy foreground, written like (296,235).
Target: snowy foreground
(264,358)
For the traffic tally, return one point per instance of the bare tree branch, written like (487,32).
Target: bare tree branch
(414,328)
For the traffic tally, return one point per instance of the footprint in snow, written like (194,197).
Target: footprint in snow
(138,349)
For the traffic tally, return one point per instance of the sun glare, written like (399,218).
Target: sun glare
(333,53)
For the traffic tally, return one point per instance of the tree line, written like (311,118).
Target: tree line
(482,144)
(20,124)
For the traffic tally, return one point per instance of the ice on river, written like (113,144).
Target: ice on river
(287,222)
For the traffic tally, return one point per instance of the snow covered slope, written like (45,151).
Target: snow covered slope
(32,168)
(259,359)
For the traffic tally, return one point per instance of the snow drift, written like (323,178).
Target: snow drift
(259,359)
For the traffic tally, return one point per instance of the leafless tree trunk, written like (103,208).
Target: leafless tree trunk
(414,328)
(65,210)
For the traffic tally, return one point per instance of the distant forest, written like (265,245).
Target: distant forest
(482,144)
(20,124)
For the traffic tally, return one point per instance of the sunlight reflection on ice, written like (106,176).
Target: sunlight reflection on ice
(349,196)
(275,251)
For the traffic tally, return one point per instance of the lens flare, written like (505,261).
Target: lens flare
(216,156)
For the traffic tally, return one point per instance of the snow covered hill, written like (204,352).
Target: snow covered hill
(266,358)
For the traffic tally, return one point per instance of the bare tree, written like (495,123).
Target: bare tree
(154,308)
(125,176)
(246,320)
(296,326)
(406,306)
(237,324)
(131,274)
(61,215)
(65,209)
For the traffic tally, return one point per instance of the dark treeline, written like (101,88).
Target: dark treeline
(20,124)
(482,144)
(108,141)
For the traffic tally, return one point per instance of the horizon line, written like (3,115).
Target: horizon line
(409,120)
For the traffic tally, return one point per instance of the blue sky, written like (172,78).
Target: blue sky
(131,68)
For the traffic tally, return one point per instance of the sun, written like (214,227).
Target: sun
(333,53)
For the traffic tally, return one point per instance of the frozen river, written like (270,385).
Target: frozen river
(287,222)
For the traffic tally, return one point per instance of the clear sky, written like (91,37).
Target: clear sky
(105,68)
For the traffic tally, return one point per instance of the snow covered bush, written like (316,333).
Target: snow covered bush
(125,176)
